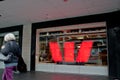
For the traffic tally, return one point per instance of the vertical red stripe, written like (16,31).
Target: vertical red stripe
(55,51)
(69,51)
(84,51)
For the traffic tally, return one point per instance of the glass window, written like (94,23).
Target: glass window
(84,45)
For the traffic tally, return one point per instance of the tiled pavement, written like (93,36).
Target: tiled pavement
(54,76)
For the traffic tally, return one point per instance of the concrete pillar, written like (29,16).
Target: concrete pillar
(26,44)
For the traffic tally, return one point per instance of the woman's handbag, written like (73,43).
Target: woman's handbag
(5,58)
(21,67)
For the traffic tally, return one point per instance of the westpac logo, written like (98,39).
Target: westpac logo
(82,55)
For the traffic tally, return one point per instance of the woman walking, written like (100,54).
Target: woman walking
(10,47)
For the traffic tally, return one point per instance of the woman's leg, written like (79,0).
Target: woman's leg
(4,75)
(8,73)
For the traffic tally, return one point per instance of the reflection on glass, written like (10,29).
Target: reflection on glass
(98,53)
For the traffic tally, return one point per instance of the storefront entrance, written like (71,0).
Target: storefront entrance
(79,49)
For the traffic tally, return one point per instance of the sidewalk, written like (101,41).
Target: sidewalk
(54,76)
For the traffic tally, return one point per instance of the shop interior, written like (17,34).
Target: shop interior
(75,34)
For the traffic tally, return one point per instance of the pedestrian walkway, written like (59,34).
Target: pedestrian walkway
(54,76)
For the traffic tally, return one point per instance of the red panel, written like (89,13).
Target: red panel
(55,51)
(69,51)
(84,51)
